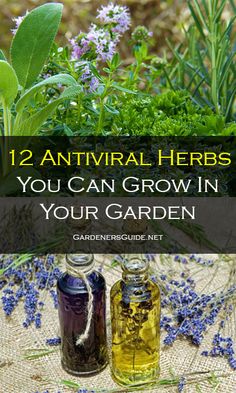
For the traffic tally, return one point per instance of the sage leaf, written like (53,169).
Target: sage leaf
(33,40)
(63,79)
(8,83)
(72,91)
(31,125)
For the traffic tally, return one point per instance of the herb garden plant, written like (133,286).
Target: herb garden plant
(18,80)
(86,88)
(205,64)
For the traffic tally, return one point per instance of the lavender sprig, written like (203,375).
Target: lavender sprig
(24,281)
(188,313)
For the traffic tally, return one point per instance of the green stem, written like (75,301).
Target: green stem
(213,43)
(79,107)
(101,117)
(168,79)
(7,120)
(135,73)
(101,105)
(7,133)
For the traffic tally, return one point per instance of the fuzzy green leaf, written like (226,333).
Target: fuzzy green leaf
(63,79)
(31,125)
(33,40)
(71,92)
(8,83)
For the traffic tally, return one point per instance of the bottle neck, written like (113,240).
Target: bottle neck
(135,279)
(76,272)
(135,269)
(78,265)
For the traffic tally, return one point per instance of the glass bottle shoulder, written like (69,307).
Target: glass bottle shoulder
(73,285)
(147,286)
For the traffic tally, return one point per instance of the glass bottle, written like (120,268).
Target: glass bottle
(135,314)
(82,316)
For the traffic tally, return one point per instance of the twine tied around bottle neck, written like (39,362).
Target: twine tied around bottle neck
(80,340)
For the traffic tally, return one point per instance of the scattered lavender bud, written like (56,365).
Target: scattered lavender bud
(53,341)
(181,384)
(54,298)
(25,290)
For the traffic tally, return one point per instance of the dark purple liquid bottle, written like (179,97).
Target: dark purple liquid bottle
(91,356)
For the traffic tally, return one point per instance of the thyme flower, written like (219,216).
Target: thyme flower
(100,42)
(116,15)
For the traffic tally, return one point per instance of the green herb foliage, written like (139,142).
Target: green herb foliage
(205,63)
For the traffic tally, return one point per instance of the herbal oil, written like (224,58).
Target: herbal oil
(135,313)
(82,315)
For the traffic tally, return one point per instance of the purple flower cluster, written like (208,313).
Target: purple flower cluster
(24,283)
(192,314)
(194,258)
(9,301)
(97,44)
(104,44)
(115,15)
(222,347)
(101,41)
(87,76)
